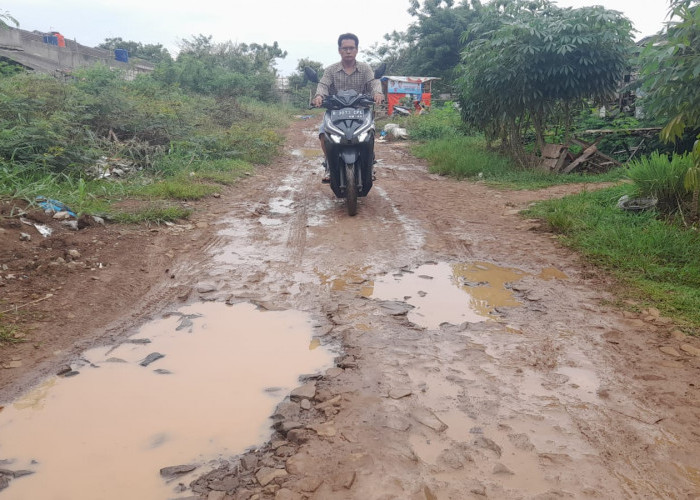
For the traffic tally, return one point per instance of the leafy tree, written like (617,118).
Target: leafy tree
(431,45)
(299,86)
(527,58)
(671,77)
(154,53)
(223,69)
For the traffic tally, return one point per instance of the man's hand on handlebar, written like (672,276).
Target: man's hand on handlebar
(317,101)
(378,99)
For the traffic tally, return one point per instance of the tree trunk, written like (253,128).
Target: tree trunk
(537,122)
(567,122)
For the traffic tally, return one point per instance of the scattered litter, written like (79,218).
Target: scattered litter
(636,204)
(106,167)
(393,131)
(70,224)
(24,237)
(50,206)
(43,230)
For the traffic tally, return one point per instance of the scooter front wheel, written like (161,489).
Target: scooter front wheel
(351,189)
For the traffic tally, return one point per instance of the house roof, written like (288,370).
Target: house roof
(410,79)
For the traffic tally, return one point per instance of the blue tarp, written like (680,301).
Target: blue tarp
(53,205)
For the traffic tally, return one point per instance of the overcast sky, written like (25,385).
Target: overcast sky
(304,28)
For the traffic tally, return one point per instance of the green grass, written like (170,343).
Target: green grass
(179,188)
(467,157)
(155,215)
(10,334)
(656,260)
(186,179)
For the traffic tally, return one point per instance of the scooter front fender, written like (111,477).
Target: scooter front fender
(349,156)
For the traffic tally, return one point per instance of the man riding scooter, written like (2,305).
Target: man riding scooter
(348,74)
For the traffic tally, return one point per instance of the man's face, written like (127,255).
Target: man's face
(348,50)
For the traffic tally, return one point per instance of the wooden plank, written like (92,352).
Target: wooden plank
(552,150)
(578,161)
(630,131)
(562,159)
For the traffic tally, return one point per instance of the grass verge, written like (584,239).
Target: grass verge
(656,261)
(467,157)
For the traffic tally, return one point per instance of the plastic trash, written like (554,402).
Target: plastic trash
(53,206)
(636,204)
(43,230)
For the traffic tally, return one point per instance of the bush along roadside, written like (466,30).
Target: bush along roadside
(98,139)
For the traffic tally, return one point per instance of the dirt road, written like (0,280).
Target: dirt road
(530,386)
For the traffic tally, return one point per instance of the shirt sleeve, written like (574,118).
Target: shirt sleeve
(373,85)
(376,86)
(324,84)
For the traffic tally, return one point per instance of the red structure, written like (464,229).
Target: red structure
(398,87)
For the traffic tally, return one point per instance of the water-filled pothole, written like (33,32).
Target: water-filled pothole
(106,432)
(450,293)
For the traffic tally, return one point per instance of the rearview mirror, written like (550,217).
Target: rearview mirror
(379,72)
(310,74)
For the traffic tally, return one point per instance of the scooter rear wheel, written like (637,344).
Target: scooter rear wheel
(351,189)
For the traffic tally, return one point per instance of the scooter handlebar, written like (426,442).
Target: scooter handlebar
(364,99)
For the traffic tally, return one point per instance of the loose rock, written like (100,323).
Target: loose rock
(176,470)
(154,356)
(693,351)
(306,391)
(266,475)
(671,351)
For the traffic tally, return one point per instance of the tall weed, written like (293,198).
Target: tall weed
(658,176)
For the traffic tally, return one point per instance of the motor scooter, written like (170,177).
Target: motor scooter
(349,141)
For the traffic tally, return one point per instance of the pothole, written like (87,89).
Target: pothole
(191,388)
(450,293)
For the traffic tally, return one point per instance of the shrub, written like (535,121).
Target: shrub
(441,122)
(658,176)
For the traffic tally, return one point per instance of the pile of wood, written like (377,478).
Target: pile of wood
(557,157)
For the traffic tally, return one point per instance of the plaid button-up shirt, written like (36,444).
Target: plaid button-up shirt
(361,80)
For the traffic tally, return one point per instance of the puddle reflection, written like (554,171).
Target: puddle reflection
(450,293)
(107,432)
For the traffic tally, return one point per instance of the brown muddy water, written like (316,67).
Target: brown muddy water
(450,293)
(106,432)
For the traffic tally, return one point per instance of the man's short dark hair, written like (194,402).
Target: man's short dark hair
(348,36)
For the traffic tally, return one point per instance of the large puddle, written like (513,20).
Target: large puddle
(450,293)
(106,431)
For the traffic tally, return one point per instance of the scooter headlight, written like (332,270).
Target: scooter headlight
(363,136)
(335,138)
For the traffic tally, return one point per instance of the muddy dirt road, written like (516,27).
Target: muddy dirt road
(478,358)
